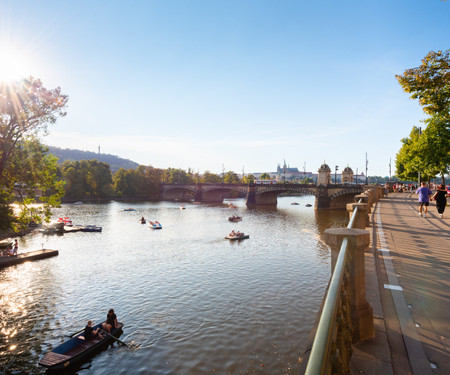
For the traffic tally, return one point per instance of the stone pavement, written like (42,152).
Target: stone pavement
(408,286)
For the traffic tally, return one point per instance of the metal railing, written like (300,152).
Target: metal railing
(322,358)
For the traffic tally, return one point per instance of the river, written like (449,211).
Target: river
(191,301)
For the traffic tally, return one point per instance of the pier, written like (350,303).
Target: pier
(6,261)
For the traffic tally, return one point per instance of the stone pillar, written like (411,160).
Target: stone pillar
(198,193)
(362,217)
(251,200)
(361,311)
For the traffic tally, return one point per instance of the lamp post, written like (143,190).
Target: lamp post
(336,167)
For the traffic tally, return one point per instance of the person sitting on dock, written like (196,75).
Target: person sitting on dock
(111,321)
(90,333)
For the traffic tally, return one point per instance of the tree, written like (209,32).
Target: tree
(249,179)
(430,82)
(436,144)
(265,176)
(231,178)
(26,109)
(210,178)
(87,179)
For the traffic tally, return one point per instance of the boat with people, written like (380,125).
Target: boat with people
(234,218)
(237,236)
(76,350)
(182,207)
(154,225)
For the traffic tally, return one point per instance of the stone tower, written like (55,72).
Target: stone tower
(324,176)
(347,175)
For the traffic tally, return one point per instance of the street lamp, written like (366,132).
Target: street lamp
(335,171)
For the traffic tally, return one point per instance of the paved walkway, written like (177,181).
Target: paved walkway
(408,286)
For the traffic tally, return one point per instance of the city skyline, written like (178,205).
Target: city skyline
(210,85)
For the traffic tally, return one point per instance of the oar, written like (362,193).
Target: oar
(76,333)
(115,338)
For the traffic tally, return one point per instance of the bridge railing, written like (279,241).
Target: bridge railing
(346,317)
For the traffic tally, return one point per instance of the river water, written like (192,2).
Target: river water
(191,301)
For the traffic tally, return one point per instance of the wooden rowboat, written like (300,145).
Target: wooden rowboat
(76,350)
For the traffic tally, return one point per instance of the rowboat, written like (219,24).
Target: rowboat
(91,228)
(77,349)
(242,237)
(234,218)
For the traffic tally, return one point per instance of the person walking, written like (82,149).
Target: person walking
(441,199)
(424,198)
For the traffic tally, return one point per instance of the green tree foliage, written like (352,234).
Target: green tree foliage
(430,83)
(249,179)
(87,179)
(210,178)
(26,109)
(428,153)
(142,182)
(264,176)
(231,178)
(178,176)
(35,178)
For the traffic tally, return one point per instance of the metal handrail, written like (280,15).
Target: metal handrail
(322,341)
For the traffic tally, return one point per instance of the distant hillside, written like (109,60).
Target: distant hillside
(76,155)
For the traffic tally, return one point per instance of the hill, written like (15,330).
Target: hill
(76,155)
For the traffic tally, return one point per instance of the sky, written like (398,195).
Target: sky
(240,85)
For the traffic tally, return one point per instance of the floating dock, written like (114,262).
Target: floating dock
(6,261)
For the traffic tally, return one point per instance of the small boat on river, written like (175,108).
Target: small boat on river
(129,209)
(77,349)
(91,228)
(234,218)
(295,204)
(142,220)
(237,236)
(154,225)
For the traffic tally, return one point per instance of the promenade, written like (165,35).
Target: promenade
(408,286)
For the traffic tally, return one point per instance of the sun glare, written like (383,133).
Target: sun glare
(14,65)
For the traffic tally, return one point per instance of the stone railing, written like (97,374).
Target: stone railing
(345,316)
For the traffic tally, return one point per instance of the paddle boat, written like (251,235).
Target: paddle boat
(154,225)
(76,350)
(67,222)
(234,218)
(237,236)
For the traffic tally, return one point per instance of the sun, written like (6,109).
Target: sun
(14,65)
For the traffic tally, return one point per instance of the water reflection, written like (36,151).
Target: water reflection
(192,302)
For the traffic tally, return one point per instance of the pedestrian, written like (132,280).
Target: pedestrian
(424,198)
(441,199)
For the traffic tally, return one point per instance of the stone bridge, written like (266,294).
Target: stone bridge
(330,196)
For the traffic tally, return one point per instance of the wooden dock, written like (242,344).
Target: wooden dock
(6,261)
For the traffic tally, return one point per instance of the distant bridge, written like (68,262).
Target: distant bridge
(330,196)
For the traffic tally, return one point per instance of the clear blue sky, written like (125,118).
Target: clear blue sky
(239,83)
